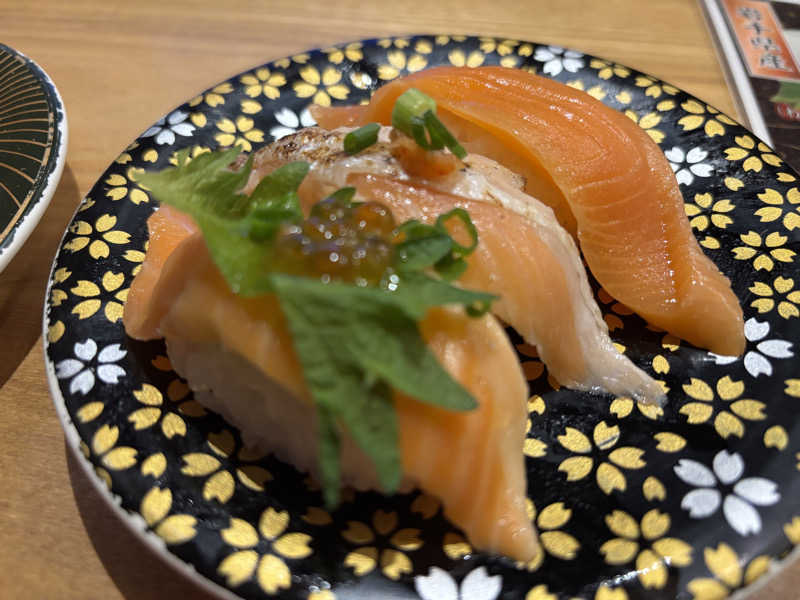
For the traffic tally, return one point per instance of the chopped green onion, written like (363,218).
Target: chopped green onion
(463,216)
(442,135)
(414,229)
(411,105)
(419,134)
(432,245)
(361,138)
(415,114)
(450,268)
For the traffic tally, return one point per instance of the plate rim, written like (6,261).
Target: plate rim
(51,171)
(133,521)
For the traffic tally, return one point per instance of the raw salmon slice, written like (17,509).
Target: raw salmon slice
(594,163)
(167,228)
(234,351)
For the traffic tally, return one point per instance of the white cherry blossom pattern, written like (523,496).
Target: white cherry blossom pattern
(756,361)
(687,165)
(737,506)
(438,584)
(166,127)
(557,59)
(291,122)
(81,371)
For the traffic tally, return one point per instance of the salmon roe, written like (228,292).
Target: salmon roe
(339,242)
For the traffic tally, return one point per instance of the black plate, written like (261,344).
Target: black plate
(709,486)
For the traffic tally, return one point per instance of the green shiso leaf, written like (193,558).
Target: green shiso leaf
(234,225)
(355,344)
(274,202)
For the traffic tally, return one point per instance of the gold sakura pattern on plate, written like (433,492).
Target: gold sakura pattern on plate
(619,311)
(108,454)
(110,295)
(269,566)
(218,482)
(653,87)
(153,411)
(623,406)
(239,132)
(701,407)
(706,212)
(781,294)
(764,250)
(173,450)
(556,542)
(649,123)
(702,115)
(381,544)
(96,237)
(351,52)
(173,529)
(728,573)
(398,64)
(597,91)
(607,69)
(213,97)
(121,186)
(647,544)
(780,206)
(753,154)
(608,473)
(320,87)
(263,81)
(776,437)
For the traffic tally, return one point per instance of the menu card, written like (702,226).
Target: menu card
(759,46)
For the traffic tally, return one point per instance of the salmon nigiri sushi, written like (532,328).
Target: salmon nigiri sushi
(607,181)
(238,354)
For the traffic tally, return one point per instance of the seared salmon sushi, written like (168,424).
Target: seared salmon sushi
(238,357)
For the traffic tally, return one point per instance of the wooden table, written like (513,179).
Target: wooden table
(119,66)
